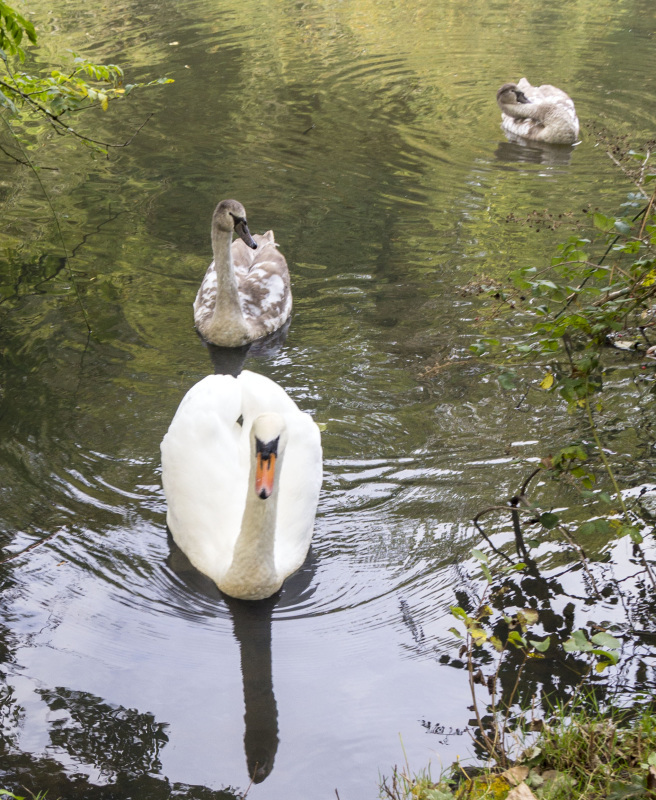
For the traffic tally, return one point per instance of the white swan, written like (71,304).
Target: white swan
(244,295)
(241,471)
(540,113)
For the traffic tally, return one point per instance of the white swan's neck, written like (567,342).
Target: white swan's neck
(227,318)
(252,572)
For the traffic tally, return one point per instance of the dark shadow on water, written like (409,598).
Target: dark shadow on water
(231,360)
(251,623)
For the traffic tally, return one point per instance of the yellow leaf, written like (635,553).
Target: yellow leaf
(547,381)
(528,615)
(478,636)
(650,278)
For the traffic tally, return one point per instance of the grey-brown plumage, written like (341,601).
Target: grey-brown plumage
(539,113)
(246,292)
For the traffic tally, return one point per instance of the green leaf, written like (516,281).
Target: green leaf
(516,639)
(595,527)
(507,380)
(603,222)
(480,555)
(622,227)
(549,520)
(634,533)
(606,640)
(7,102)
(541,647)
(577,642)
(611,658)
(436,794)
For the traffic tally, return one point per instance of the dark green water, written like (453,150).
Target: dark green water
(367,137)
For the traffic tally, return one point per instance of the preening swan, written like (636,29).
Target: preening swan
(241,471)
(244,295)
(540,113)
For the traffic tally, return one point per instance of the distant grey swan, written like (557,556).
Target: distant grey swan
(244,295)
(540,113)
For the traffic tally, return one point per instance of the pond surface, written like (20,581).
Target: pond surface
(367,136)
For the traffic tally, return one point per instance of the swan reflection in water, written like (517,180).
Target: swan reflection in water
(252,629)
(231,360)
(521,151)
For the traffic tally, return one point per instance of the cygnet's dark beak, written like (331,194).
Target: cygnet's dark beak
(521,97)
(241,229)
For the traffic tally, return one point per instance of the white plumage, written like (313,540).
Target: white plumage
(539,113)
(248,544)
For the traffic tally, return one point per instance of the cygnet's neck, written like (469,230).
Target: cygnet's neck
(227,317)
(521,110)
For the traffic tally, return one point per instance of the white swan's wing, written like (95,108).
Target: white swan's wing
(205,474)
(301,474)
(300,483)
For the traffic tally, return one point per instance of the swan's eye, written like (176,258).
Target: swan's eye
(237,220)
(240,421)
(266,449)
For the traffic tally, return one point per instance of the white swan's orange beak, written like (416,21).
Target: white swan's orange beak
(265,470)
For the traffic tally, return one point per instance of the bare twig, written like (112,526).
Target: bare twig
(511,698)
(524,486)
(485,536)
(646,217)
(30,547)
(637,184)
(523,397)
(641,179)
(24,163)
